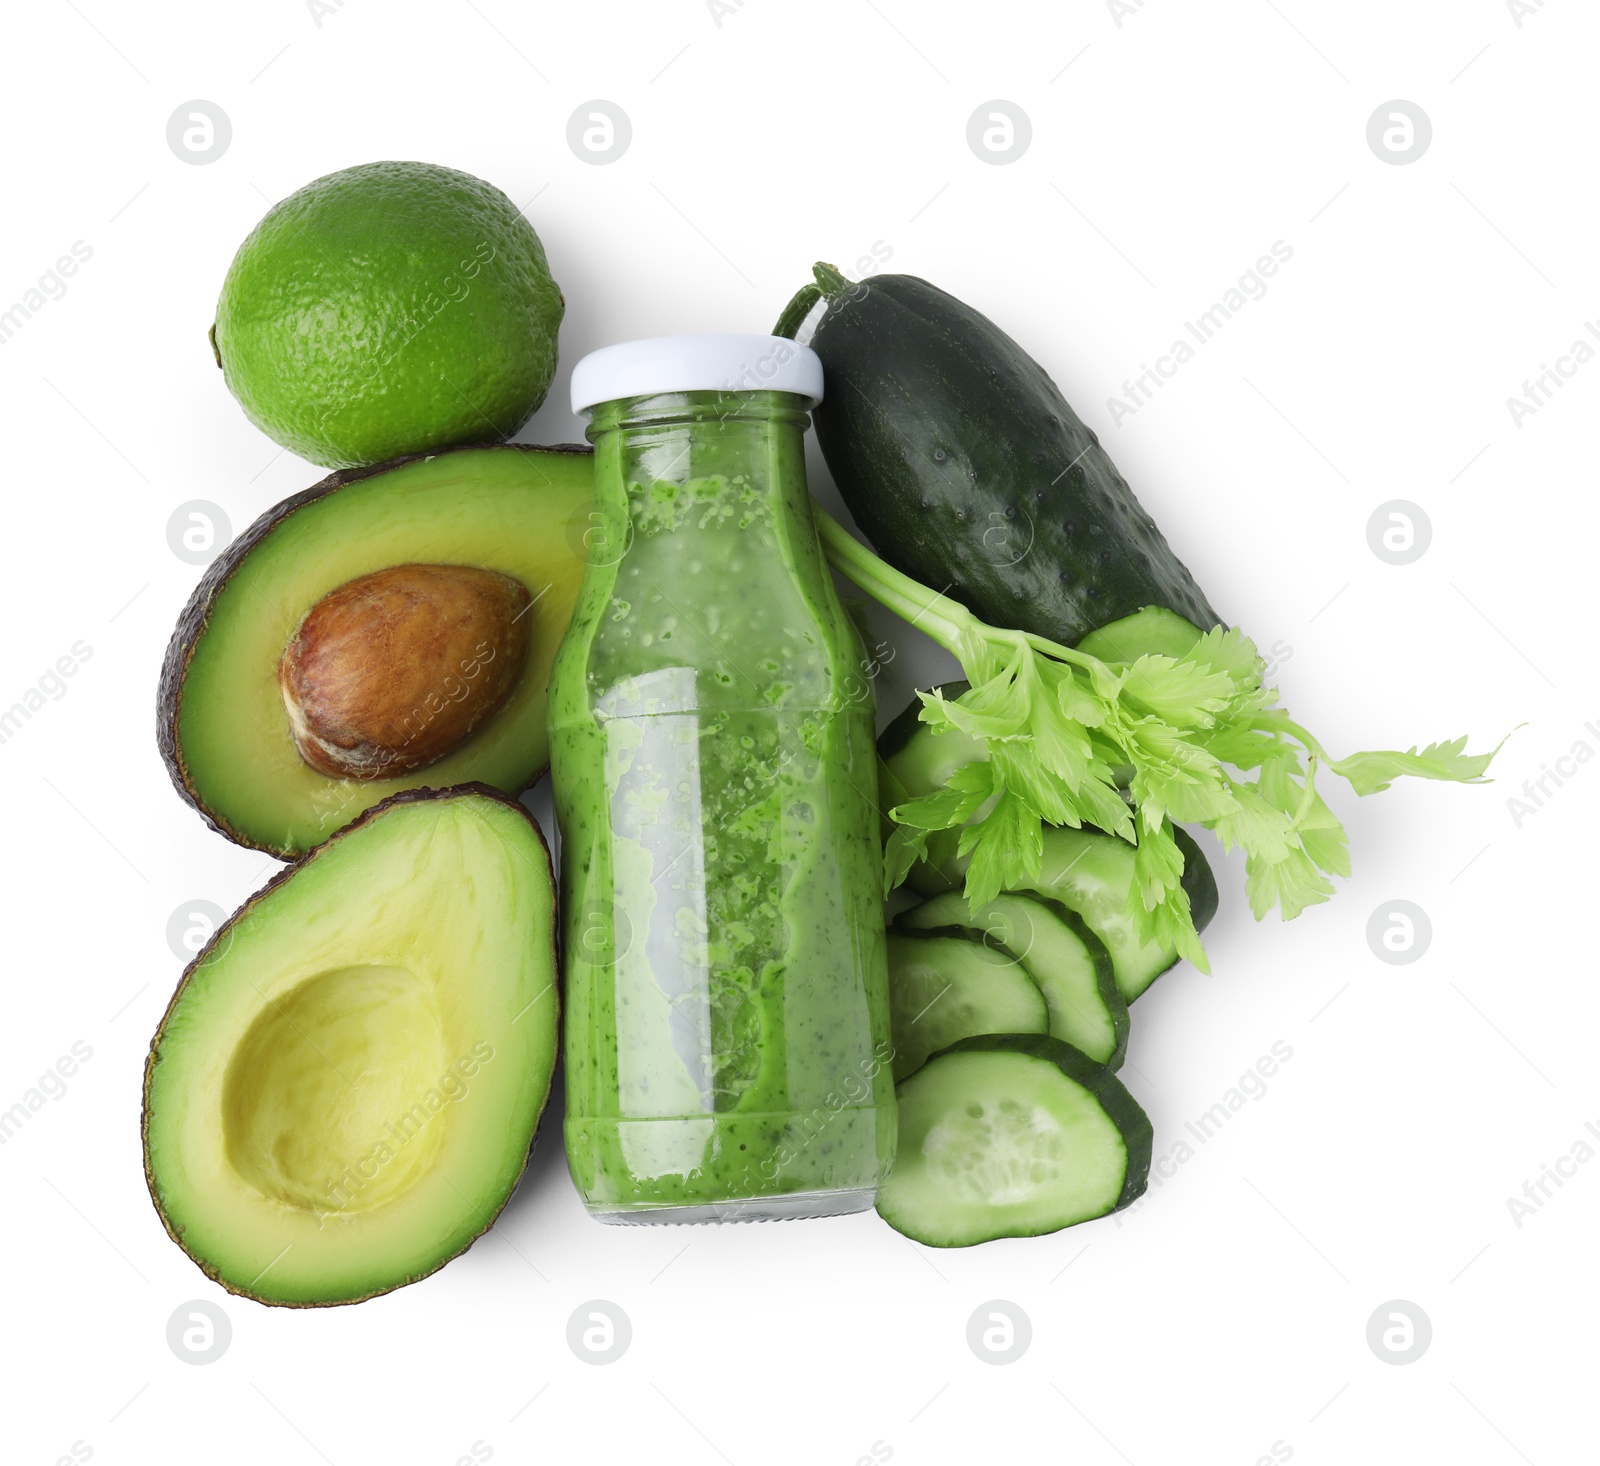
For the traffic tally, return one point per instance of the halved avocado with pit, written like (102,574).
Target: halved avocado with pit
(344,1090)
(517,511)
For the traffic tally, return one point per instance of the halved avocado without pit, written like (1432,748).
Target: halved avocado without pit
(460,567)
(344,1090)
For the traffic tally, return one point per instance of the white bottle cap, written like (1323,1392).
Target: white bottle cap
(709,363)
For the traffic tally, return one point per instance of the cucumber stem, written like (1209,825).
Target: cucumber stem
(798,308)
(830,285)
(829,278)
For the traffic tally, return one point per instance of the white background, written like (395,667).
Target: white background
(1229,1311)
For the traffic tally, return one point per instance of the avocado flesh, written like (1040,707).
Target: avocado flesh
(224,729)
(345,1087)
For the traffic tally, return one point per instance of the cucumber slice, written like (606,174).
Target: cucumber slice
(1069,963)
(1154,630)
(1092,874)
(1012,1135)
(945,988)
(1198,880)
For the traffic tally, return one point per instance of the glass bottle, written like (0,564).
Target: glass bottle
(727,1032)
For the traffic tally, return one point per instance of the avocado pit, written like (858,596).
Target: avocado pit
(392,671)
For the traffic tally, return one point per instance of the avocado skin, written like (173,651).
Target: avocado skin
(192,620)
(223,932)
(967,469)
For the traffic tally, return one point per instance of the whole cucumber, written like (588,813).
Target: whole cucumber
(963,464)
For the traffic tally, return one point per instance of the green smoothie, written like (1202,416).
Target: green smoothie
(727,1031)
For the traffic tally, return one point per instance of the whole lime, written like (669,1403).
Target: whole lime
(388,309)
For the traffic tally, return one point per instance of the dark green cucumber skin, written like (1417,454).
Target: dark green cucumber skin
(963,464)
(1198,880)
(1124,1110)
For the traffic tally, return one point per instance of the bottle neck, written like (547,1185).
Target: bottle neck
(658,455)
(699,409)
